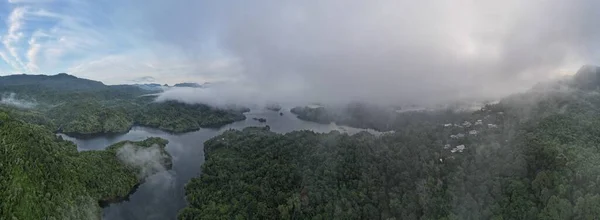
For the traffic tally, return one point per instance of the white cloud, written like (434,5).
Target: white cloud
(32,54)
(58,36)
(28,1)
(8,60)
(15,23)
(148,160)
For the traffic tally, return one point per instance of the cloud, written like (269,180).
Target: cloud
(32,55)
(244,92)
(27,1)
(147,160)
(396,51)
(8,60)
(11,99)
(219,95)
(13,36)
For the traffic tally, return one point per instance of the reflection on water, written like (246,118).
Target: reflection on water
(162,195)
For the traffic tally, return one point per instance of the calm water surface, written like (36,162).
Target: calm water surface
(162,195)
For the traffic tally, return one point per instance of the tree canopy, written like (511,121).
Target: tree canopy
(44,177)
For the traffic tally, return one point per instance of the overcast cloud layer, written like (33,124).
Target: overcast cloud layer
(332,50)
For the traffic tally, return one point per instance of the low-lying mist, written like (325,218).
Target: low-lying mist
(13,100)
(225,95)
(149,160)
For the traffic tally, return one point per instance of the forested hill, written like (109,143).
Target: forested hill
(76,106)
(64,87)
(44,177)
(61,81)
(531,156)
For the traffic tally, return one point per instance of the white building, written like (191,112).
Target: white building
(459,148)
(467,124)
(473,132)
(447,125)
(492,126)
(479,122)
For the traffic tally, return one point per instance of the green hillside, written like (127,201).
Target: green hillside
(44,177)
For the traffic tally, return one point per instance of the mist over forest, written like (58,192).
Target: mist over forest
(332,109)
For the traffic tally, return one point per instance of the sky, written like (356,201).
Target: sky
(318,50)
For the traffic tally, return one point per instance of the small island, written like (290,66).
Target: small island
(261,120)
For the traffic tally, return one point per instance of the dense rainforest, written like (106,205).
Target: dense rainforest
(43,176)
(531,156)
(76,106)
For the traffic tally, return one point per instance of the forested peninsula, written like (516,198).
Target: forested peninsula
(82,107)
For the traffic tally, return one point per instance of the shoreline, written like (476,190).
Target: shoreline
(87,136)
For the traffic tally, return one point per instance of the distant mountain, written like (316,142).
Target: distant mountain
(144,80)
(64,87)
(150,86)
(60,81)
(188,84)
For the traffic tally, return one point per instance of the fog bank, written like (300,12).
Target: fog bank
(383,51)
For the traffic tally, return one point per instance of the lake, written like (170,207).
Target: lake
(162,195)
